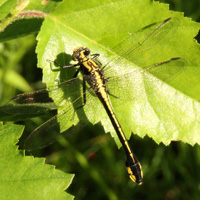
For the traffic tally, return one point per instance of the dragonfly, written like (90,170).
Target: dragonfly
(104,82)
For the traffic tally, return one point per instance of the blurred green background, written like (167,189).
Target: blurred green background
(170,172)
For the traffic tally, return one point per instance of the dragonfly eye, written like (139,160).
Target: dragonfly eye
(87,52)
(76,55)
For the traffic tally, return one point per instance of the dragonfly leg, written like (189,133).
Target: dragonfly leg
(67,66)
(95,56)
(75,75)
(70,66)
(110,93)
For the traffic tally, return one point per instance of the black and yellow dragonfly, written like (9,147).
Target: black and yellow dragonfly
(106,82)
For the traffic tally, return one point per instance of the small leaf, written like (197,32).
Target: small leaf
(31,18)
(5,7)
(16,80)
(16,29)
(25,177)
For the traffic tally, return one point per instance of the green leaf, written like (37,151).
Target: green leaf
(36,5)
(16,29)
(25,177)
(15,79)
(164,109)
(26,22)
(12,53)
(5,7)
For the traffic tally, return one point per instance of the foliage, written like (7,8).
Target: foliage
(25,177)
(171,112)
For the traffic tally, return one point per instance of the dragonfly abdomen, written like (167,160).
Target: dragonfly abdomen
(133,166)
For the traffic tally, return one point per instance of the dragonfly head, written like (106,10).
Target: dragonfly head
(80,53)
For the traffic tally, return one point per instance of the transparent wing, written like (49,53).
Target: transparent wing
(131,85)
(143,47)
(64,92)
(50,131)
(72,117)
(37,102)
(44,135)
(41,97)
(27,105)
(69,97)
